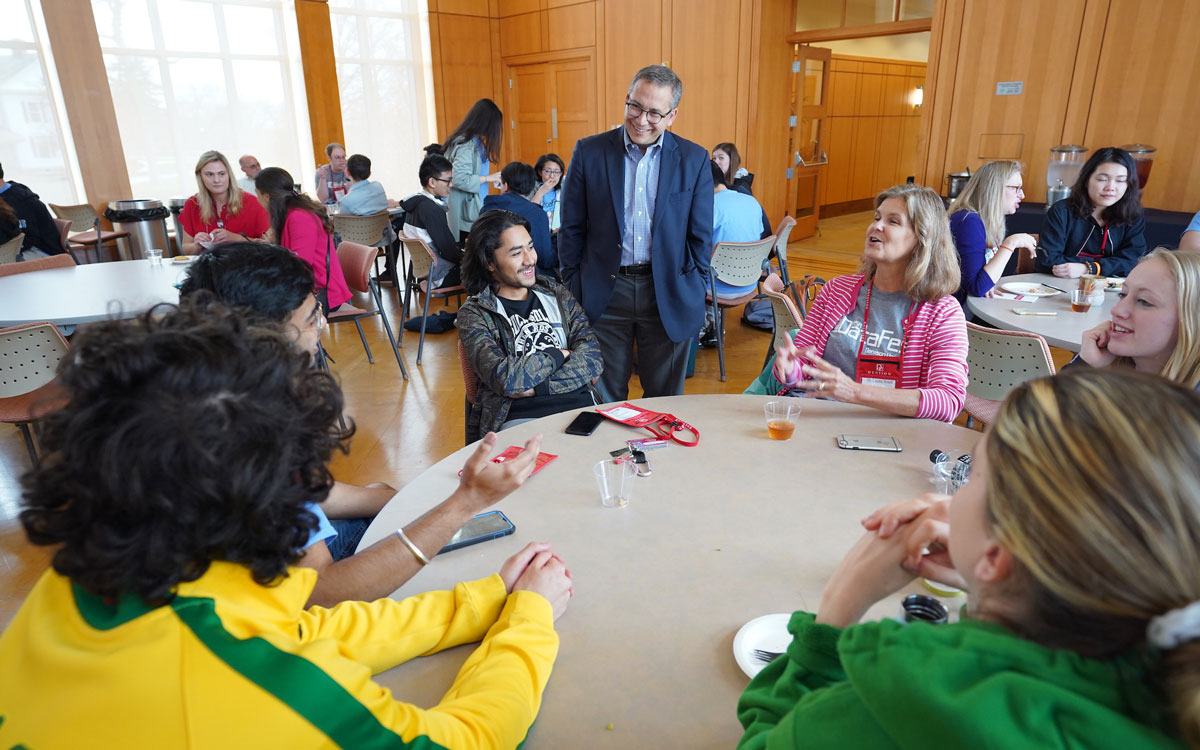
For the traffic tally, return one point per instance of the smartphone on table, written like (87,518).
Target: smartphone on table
(869,443)
(491,525)
(585,424)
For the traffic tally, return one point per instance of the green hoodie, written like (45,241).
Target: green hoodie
(967,685)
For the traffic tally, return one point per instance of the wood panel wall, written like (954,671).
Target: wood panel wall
(873,129)
(1094,72)
(93,119)
(320,75)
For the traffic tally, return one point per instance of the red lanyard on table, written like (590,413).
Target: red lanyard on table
(666,428)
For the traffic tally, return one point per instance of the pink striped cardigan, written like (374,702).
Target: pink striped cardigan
(935,351)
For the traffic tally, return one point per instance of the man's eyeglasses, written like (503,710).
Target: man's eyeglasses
(446,180)
(635,110)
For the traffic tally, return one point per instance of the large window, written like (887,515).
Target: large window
(34,148)
(188,76)
(385,78)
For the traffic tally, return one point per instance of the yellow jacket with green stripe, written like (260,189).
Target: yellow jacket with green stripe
(229,663)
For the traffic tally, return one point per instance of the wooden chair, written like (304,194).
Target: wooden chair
(421,262)
(736,264)
(470,391)
(998,361)
(368,229)
(62,260)
(9,250)
(29,356)
(356,261)
(95,238)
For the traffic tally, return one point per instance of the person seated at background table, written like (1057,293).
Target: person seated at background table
(913,359)
(737,217)
(550,170)
(1099,228)
(173,615)
(331,177)
(301,225)
(1155,324)
(1190,240)
(219,212)
(472,148)
(518,182)
(22,211)
(363,196)
(250,167)
(425,218)
(1076,541)
(525,336)
(274,286)
(733,174)
(977,227)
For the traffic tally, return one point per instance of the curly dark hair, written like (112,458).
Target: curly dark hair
(480,250)
(189,437)
(268,279)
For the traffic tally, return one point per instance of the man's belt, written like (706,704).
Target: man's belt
(637,269)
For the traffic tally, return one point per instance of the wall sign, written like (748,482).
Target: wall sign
(1009,88)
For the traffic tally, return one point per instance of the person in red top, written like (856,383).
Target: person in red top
(301,225)
(218,212)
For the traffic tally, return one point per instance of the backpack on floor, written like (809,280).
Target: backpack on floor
(757,314)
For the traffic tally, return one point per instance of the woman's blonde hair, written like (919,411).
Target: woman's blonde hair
(233,196)
(984,194)
(933,271)
(1094,489)
(1183,366)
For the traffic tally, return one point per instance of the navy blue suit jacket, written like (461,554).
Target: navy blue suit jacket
(539,225)
(593,217)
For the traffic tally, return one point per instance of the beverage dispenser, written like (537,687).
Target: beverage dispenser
(1062,171)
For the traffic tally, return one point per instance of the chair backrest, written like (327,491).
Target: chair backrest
(29,357)
(64,229)
(367,230)
(470,381)
(82,217)
(421,255)
(781,239)
(10,249)
(62,260)
(741,263)
(787,316)
(1000,360)
(356,261)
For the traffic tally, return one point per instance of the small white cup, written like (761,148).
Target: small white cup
(154,255)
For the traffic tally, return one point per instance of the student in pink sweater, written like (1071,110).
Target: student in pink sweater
(913,359)
(301,225)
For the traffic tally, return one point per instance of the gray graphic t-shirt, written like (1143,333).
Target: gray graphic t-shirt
(885,332)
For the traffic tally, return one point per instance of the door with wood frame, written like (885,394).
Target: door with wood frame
(807,137)
(549,106)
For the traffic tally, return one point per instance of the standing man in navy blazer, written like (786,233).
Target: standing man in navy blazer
(636,238)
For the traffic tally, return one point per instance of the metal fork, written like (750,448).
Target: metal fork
(767,656)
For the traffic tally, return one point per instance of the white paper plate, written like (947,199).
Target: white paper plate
(768,633)
(1026,288)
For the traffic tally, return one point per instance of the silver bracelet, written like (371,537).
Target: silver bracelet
(412,547)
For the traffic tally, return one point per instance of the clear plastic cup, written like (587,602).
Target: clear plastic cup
(154,255)
(781,418)
(616,482)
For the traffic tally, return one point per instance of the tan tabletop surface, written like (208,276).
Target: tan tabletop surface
(87,293)
(736,527)
(1064,330)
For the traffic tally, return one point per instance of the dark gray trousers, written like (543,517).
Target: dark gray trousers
(632,316)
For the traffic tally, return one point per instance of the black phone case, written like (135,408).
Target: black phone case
(583,424)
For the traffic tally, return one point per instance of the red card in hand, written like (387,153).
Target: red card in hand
(512,451)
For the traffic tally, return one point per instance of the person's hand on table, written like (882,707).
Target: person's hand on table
(203,237)
(541,572)
(826,380)
(484,483)
(1093,348)
(220,236)
(928,543)
(1069,270)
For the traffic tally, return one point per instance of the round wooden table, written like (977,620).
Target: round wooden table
(736,527)
(87,293)
(1064,330)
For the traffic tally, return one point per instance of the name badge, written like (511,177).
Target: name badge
(879,371)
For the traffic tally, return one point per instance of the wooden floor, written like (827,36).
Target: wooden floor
(406,427)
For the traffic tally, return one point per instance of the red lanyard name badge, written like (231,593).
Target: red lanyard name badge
(661,424)
(878,369)
(1083,253)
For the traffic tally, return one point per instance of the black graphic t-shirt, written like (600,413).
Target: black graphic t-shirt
(532,330)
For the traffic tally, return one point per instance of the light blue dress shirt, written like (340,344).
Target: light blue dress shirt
(641,191)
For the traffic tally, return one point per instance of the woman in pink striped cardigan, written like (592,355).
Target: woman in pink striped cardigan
(913,359)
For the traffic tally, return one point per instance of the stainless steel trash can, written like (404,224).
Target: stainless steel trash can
(146,222)
(176,205)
